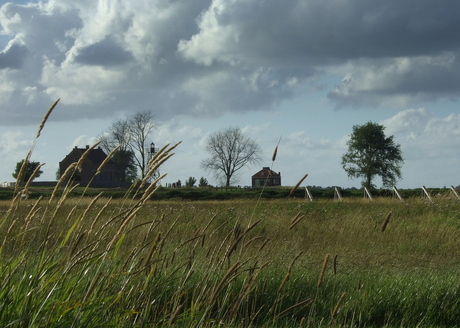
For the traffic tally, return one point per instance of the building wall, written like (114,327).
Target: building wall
(266,177)
(271,181)
(89,169)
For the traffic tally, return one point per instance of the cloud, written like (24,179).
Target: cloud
(399,81)
(13,57)
(103,53)
(319,31)
(206,57)
(423,136)
(408,122)
(14,141)
(14,146)
(83,141)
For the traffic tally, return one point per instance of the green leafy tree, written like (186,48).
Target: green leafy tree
(230,150)
(126,169)
(203,182)
(370,154)
(190,182)
(29,170)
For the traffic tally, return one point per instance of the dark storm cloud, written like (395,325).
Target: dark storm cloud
(104,53)
(296,31)
(13,57)
(363,39)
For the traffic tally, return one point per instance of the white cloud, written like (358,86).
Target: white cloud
(83,141)
(79,85)
(422,135)
(6,89)
(216,40)
(14,146)
(299,139)
(14,142)
(399,81)
(408,122)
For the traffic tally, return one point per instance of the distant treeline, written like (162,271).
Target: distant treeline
(226,193)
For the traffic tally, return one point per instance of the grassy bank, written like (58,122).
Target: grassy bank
(99,262)
(230,193)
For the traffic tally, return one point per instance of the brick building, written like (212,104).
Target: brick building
(89,167)
(266,177)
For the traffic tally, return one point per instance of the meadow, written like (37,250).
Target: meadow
(136,262)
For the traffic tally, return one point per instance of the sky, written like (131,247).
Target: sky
(298,72)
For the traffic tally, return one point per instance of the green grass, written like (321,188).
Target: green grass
(187,264)
(224,193)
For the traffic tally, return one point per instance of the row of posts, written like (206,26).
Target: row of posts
(367,194)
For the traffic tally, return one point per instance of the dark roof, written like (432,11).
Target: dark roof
(96,155)
(266,171)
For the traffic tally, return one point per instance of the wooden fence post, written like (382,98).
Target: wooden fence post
(396,192)
(454,191)
(337,194)
(366,192)
(308,194)
(427,194)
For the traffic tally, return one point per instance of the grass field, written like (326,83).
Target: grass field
(97,262)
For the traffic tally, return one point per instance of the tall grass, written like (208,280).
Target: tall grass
(133,262)
(109,263)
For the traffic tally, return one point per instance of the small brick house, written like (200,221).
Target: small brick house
(89,167)
(266,177)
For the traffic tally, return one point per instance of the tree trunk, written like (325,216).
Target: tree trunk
(368,181)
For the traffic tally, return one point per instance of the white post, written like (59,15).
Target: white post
(337,194)
(427,193)
(396,192)
(366,192)
(454,191)
(307,193)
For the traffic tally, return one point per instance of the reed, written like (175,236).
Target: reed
(45,118)
(296,220)
(323,270)
(297,185)
(337,307)
(387,220)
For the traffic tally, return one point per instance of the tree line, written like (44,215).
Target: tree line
(370,153)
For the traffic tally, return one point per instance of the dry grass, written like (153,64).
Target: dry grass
(210,255)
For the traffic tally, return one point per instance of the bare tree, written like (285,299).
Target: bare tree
(131,135)
(230,151)
(118,134)
(141,125)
